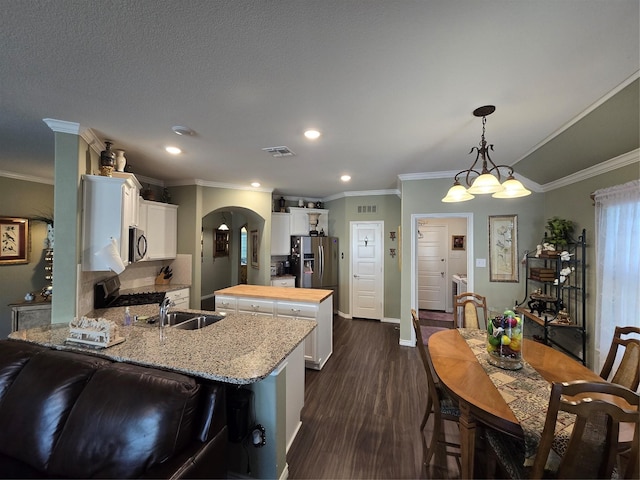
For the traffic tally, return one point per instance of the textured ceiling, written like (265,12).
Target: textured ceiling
(391,84)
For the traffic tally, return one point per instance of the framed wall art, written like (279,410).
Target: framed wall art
(458,242)
(503,248)
(221,243)
(255,248)
(14,240)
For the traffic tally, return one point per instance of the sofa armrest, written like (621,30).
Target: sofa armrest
(201,460)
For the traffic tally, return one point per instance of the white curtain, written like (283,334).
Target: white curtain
(617,263)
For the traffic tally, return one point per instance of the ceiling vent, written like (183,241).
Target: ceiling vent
(279,151)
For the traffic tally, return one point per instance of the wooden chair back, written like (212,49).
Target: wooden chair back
(467,305)
(599,408)
(426,361)
(628,372)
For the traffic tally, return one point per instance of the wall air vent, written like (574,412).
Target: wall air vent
(367,209)
(279,151)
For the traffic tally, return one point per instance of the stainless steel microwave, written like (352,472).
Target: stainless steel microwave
(137,244)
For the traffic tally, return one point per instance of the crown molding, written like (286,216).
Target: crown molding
(632,78)
(361,193)
(623,160)
(205,183)
(62,126)
(89,136)
(26,178)
(427,175)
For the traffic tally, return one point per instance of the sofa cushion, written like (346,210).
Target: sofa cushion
(127,419)
(14,356)
(38,409)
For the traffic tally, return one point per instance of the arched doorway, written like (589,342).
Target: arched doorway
(223,256)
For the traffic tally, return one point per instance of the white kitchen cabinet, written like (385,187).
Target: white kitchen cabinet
(299,220)
(280,233)
(289,282)
(318,346)
(226,304)
(160,224)
(255,306)
(109,208)
(180,298)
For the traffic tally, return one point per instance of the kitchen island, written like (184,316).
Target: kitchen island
(265,356)
(267,302)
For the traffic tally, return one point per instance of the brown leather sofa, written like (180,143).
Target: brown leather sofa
(69,415)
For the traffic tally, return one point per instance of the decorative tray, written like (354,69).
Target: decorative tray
(91,343)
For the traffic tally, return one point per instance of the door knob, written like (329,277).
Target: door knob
(442,274)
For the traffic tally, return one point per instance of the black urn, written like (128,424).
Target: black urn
(107,160)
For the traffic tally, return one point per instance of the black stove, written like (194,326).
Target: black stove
(107,294)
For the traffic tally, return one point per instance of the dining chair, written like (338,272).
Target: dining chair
(591,449)
(627,373)
(467,305)
(439,403)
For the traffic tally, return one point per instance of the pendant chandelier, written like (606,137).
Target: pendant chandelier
(489,179)
(223,226)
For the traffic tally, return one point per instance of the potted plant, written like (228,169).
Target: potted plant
(559,232)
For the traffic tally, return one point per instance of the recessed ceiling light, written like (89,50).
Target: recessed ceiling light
(173,150)
(345,178)
(182,130)
(312,134)
(255,184)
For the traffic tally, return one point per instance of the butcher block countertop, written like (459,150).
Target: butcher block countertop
(310,295)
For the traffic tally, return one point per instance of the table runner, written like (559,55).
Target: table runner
(526,393)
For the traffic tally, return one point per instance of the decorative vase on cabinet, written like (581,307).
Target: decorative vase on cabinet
(121,161)
(107,160)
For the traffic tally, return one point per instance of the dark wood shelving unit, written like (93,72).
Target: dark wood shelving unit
(558,306)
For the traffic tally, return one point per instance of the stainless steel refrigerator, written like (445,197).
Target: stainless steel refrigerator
(314,262)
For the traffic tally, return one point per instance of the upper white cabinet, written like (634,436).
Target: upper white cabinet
(299,220)
(160,224)
(280,233)
(109,208)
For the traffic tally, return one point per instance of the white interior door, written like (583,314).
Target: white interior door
(432,267)
(367,270)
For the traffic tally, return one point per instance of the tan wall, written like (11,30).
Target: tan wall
(19,198)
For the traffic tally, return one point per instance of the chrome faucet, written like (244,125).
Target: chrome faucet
(164,310)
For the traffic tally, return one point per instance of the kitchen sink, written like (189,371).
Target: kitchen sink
(188,320)
(198,322)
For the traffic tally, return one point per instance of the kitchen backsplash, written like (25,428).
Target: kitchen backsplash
(135,275)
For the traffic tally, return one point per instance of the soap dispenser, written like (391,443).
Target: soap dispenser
(127,317)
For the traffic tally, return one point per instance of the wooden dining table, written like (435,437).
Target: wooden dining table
(478,398)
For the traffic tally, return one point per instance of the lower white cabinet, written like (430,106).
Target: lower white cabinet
(256,307)
(318,346)
(226,304)
(283,282)
(180,298)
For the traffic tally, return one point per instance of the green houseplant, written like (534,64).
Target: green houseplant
(559,231)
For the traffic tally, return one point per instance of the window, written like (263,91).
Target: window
(617,263)
(243,245)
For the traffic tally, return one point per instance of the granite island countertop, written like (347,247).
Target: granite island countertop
(240,349)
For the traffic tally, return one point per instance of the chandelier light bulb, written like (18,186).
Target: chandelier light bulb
(512,189)
(485,183)
(457,193)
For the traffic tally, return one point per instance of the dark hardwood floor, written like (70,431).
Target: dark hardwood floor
(362,412)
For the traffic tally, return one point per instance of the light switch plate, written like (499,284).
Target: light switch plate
(481,262)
